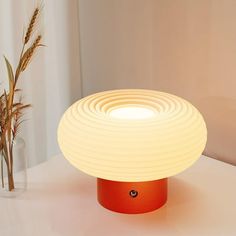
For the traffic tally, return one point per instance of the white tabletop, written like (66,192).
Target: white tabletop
(61,200)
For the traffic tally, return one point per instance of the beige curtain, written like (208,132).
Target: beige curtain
(53,81)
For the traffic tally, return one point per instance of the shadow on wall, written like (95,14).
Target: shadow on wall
(220,116)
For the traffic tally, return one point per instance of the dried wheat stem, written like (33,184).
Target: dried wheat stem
(29,53)
(11,112)
(31,25)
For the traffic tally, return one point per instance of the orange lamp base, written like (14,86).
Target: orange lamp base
(132,197)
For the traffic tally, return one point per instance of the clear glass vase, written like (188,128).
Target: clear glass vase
(19,176)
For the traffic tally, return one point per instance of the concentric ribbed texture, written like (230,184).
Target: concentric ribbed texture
(132,150)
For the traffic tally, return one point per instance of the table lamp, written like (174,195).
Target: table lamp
(132,140)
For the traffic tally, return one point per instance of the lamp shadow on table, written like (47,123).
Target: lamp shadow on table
(180,195)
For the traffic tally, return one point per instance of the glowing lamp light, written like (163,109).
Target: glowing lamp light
(132,140)
(132,112)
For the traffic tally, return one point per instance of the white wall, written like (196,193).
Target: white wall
(185,47)
(116,44)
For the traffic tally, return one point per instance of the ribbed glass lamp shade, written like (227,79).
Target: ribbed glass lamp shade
(132,135)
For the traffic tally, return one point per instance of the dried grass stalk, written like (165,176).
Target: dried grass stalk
(11,111)
(29,53)
(31,25)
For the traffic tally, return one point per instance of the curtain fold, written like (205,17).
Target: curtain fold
(52,81)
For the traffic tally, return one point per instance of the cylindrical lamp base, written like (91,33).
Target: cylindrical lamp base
(132,197)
